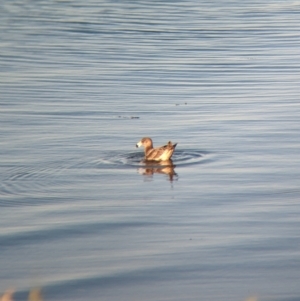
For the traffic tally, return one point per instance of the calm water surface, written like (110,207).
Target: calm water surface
(82,216)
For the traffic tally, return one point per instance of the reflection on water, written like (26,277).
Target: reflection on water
(81,81)
(187,157)
(162,167)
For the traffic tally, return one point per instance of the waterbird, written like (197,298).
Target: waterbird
(162,153)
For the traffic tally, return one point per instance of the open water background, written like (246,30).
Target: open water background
(82,81)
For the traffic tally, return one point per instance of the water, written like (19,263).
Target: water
(82,216)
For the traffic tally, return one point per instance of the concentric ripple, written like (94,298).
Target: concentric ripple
(135,159)
(55,176)
(191,157)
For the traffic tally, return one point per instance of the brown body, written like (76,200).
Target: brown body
(162,153)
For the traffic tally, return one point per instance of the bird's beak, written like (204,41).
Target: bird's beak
(139,144)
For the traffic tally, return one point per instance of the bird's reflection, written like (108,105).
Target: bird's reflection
(162,167)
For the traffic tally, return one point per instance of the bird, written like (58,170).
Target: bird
(162,153)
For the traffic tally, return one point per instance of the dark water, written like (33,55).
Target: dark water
(82,216)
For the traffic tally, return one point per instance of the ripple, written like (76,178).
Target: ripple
(27,184)
(136,159)
(191,157)
(53,178)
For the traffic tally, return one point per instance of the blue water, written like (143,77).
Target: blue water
(83,217)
